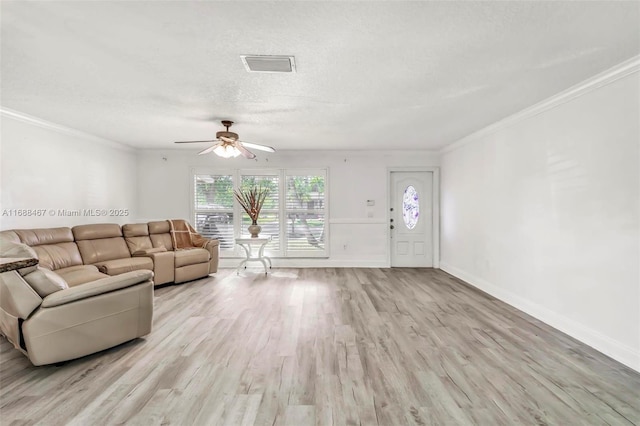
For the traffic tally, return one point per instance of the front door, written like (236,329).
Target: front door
(411,219)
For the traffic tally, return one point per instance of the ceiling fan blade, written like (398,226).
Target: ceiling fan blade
(215,140)
(245,153)
(211,148)
(259,147)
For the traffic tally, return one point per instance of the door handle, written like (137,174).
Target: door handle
(392,227)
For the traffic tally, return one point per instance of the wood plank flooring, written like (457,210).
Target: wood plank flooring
(328,347)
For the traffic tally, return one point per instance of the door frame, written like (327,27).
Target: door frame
(435,203)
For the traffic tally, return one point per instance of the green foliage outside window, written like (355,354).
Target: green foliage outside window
(218,193)
(270,183)
(305,190)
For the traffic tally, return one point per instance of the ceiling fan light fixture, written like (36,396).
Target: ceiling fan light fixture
(227,151)
(227,145)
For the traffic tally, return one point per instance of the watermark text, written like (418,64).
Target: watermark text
(65,212)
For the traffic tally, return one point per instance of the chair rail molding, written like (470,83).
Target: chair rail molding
(357,221)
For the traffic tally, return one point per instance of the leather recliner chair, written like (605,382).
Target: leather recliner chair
(50,322)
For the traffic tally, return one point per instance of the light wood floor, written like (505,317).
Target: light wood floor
(328,347)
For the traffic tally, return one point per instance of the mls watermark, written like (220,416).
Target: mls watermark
(65,212)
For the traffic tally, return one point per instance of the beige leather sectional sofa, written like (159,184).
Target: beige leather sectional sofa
(93,286)
(86,253)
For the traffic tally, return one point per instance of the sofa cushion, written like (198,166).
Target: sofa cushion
(159,234)
(99,288)
(45,281)
(81,274)
(135,230)
(54,246)
(162,240)
(38,237)
(191,257)
(58,256)
(138,244)
(120,266)
(15,249)
(102,250)
(96,231)
(9,236)
(159,227)
(136,235)
(100,242)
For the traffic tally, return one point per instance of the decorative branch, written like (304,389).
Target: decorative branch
(251,201)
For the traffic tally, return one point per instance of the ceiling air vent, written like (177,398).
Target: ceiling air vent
(268,63)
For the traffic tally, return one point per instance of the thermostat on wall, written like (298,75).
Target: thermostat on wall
(371,203)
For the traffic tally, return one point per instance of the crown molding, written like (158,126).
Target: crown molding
(35,121)
(604,78)
(359,153)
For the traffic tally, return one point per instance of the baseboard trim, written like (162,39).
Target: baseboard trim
(309,263)
(610,347)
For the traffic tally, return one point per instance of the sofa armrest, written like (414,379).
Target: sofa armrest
(163,266)
(17,297)
(213,246)
(212,243)
(104,285)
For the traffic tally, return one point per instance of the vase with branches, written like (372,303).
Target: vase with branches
(251,201)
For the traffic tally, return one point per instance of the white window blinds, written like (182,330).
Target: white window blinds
(213,195)
(305,214)
(269,218)
(293,214)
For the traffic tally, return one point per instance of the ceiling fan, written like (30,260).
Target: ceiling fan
(228,145)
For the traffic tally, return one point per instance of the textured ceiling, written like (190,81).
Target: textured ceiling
(411,75)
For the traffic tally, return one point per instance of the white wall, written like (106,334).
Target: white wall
(46,167)
(354,177)
(543,213)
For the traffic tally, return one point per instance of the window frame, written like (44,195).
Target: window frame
(195,211)
(240,231)
(282,173)
(325,211)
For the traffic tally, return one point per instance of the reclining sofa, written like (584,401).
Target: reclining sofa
(93,286)
(50,321)
(86,253)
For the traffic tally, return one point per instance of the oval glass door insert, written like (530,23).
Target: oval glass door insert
(410,207)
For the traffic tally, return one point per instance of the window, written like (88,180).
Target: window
(410,207)
(304,208)
(213,207)
(269,218)
(293,214)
